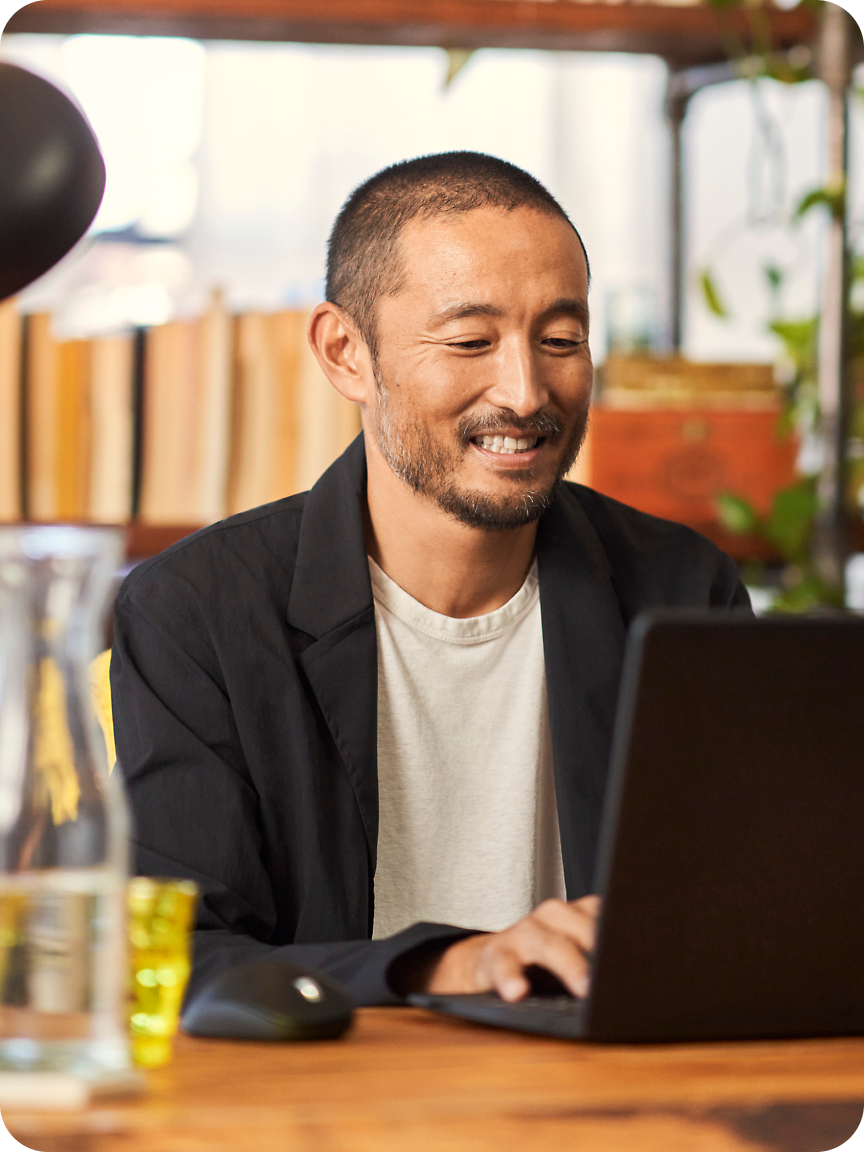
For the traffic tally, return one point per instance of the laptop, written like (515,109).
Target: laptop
(731,857)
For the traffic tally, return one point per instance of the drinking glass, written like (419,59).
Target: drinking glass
(161,913)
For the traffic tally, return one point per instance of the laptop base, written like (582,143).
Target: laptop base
(559,1016)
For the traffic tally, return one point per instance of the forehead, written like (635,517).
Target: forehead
(519,251)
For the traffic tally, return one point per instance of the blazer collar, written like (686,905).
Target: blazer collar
(331,601)
(331,582)
(583,640)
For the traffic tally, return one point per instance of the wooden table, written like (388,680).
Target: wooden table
(407,1080)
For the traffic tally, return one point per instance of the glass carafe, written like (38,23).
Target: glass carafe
(63,818)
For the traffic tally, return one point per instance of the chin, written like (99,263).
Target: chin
(495,511)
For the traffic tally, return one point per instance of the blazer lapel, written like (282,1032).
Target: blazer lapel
(583,640)
(331,601)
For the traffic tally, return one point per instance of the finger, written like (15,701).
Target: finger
(506,976)
(589,904)
(576,923)
(558,953)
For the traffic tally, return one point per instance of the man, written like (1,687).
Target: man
(373,721)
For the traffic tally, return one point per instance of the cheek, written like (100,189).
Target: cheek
(573,383)
(437,387)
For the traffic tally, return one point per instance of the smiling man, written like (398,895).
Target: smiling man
(373,721)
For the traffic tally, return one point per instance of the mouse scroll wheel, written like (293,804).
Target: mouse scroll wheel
(309,989)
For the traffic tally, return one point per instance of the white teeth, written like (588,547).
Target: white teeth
(506,445)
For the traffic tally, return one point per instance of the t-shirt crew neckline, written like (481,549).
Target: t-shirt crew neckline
(471,630)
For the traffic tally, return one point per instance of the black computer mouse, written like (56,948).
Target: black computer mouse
(269,1000)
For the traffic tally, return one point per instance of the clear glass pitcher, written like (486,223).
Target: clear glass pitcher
(63,819)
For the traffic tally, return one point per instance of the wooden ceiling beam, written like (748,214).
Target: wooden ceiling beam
(684,35)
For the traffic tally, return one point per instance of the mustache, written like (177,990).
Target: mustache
(502,419)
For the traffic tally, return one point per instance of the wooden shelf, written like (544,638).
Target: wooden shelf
(145,540)
(683,35)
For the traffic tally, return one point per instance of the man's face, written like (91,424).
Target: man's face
(484,372)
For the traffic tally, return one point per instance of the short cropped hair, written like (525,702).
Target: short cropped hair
(363,262)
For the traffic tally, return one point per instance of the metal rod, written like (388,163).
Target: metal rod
(676,110)
(832,530)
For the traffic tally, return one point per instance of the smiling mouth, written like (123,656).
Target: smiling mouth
(507,445)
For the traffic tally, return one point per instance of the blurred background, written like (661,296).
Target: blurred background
(159,374)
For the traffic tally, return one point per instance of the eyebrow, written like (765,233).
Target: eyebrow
(463,310)
(574,306)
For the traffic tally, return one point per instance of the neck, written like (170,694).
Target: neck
(450,567)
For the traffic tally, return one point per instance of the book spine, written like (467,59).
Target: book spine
(41,415)
(112,430)
(10,411)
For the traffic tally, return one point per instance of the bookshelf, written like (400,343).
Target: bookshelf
(684,35)
(165,429)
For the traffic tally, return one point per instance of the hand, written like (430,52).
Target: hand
(557,935)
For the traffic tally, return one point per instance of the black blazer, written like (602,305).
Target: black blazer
(244,684)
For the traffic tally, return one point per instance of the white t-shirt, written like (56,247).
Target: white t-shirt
(468,831)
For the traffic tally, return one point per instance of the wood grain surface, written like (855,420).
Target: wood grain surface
(688,34)
(405,1079)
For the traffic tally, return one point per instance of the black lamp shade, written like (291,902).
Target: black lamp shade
(51,177)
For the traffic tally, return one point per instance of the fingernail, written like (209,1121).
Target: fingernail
(582,987)
(512,989)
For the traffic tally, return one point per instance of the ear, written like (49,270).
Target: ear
(342,353)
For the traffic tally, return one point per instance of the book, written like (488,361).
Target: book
(186,414)
(10,411)
(647,399)
(112,431)
(290,423)
(171,376)
(216,354)
(676,374)
(264,426)
(41,418)
(73,431)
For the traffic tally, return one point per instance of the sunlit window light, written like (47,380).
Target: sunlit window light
(144,97)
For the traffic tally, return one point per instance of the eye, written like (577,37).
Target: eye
(469,345)
(561,344)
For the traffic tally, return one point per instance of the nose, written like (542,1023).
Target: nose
(518,384)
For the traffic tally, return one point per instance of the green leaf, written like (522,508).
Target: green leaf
(807,594)
(774,276)
(712,297)
(790,524)
(736,514)
(799,339)
(832,198)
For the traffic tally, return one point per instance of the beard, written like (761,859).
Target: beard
(430,467)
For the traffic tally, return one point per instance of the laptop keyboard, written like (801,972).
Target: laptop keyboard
(561,1016)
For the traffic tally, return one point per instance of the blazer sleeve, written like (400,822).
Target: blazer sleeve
(727,588)
(193,802)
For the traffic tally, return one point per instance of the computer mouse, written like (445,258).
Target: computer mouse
(269,1000)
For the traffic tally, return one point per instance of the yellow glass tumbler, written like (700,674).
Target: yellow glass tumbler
(161,914)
